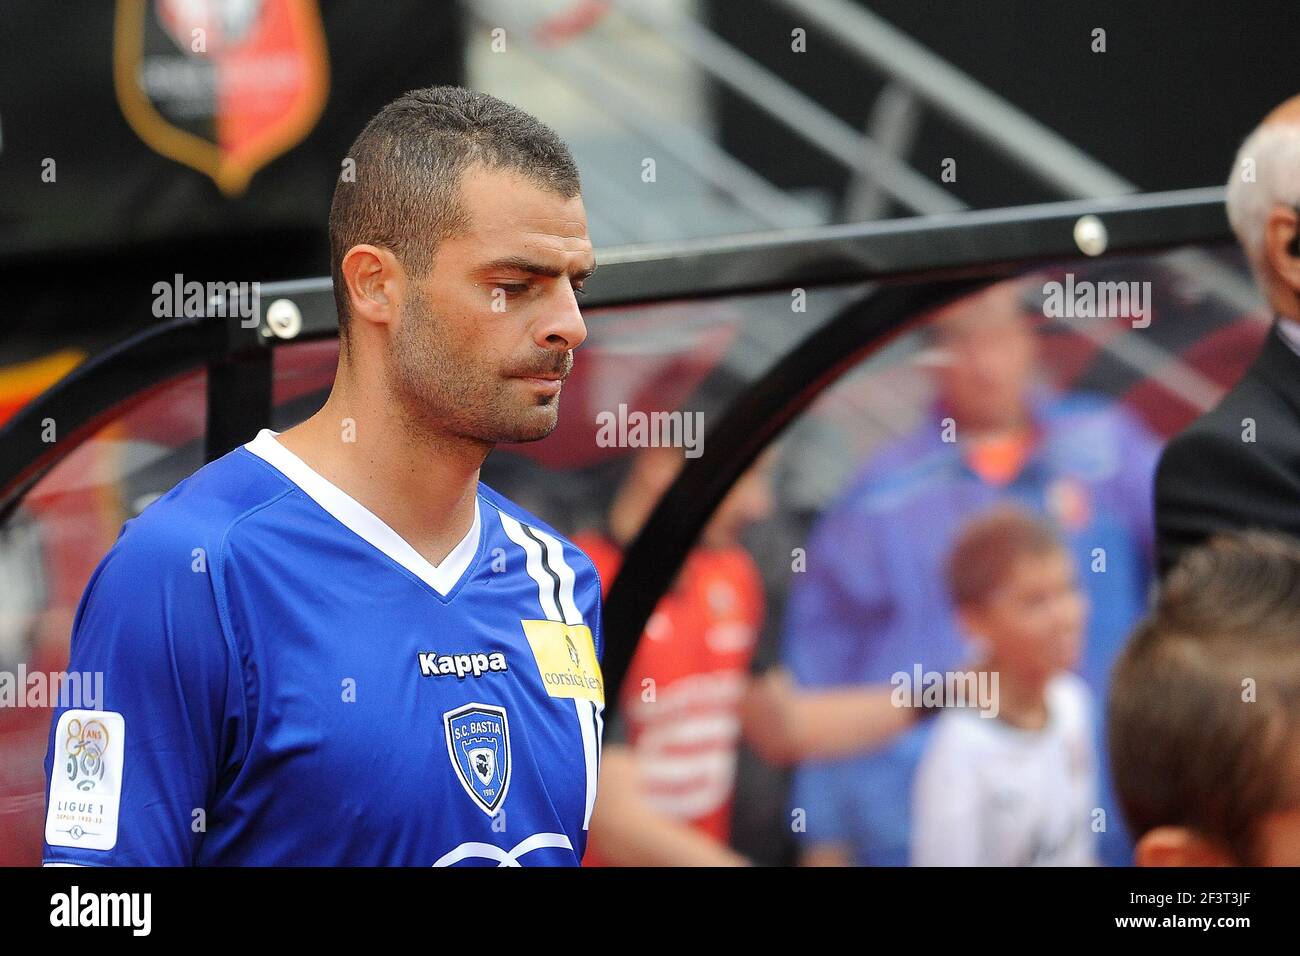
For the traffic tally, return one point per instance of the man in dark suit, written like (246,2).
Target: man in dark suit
(1238,466)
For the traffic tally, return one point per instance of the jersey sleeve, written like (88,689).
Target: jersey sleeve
(131,776)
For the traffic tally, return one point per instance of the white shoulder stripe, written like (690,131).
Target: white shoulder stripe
(590,753)
(555,580)
(555,554)
(546,586)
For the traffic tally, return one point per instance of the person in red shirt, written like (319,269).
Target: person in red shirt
(668,766)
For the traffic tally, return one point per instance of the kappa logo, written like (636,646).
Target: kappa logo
(433,664)
(478,742)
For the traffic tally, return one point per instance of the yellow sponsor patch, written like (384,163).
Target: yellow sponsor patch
(566,659)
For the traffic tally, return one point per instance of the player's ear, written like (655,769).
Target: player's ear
(1280,247)
(1178,846)
(375,281)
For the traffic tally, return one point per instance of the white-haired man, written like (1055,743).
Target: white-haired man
(1238,465)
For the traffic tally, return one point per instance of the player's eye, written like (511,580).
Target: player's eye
(579,290)
(512,288)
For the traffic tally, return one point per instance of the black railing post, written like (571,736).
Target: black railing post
(240,376)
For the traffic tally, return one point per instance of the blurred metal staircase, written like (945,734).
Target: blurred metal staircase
(646,66)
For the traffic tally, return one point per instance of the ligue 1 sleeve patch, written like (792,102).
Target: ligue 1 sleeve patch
(566,659)
(86,780)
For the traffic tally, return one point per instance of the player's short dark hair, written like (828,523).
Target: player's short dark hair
(1187,748)
(409,160)
(989,546)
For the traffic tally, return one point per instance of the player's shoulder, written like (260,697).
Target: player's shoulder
(509,518)
(200,511)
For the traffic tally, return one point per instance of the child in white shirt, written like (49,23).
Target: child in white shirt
(1013,782)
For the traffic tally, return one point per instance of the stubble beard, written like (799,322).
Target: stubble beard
(441,393)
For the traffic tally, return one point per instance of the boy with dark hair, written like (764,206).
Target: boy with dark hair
(1204,714)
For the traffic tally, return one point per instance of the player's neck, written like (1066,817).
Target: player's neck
(422,486)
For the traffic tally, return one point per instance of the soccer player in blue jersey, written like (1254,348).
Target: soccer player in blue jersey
(334,645)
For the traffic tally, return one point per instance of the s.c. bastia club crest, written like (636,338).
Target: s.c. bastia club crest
(478,741)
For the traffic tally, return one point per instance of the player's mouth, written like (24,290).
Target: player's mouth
(545,381)
(547,386)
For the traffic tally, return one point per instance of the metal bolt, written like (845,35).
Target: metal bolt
(1090,236)
(284,319)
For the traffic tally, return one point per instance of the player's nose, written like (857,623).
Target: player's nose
(563,328)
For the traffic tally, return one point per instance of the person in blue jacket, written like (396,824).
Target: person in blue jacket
(872,602)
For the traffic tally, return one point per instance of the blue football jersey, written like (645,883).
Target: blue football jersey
(286,681)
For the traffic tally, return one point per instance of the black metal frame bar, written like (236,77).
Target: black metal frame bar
(239,384)
(765,261)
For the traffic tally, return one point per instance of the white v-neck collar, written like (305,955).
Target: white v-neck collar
(364,522)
